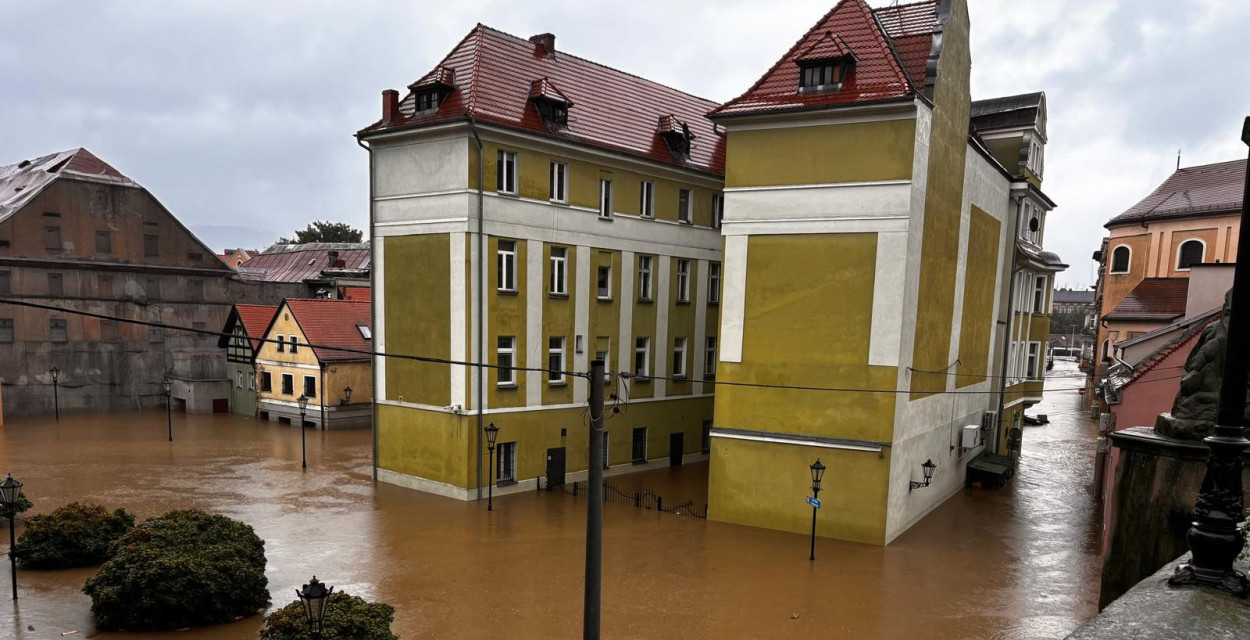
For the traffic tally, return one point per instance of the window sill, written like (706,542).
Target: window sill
(639,379)
(686,222)
(557,296)
(605,218)
(647,217)
(683,302)
(506,292)
(561,383)
(603,299)
(713,303)
(645,300)
(508,386)
(505,483)
(563,203)
(679,377)
(510,194)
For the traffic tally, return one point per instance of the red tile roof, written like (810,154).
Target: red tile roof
(875,76)
(359,294)
(330,324)
(300,262)
(1153,299)
(256,319)
(494,75)
(1192,191)
(910,26)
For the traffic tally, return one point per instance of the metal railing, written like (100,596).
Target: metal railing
(644,499)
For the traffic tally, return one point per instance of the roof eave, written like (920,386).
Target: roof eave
(764,113)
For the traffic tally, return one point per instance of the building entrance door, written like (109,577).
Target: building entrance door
(676,442)
(555,467)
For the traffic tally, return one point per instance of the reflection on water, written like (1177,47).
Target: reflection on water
(1018,563)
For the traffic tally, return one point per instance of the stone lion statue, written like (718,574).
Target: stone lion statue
(1194,410)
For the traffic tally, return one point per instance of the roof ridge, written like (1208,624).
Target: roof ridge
(885,41)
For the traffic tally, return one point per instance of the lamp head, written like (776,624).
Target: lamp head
(167,385)
(56,373)
(928,466)
(303,402)
(492,432)
(818,472)
(10,489)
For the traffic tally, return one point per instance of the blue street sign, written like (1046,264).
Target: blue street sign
(813,501)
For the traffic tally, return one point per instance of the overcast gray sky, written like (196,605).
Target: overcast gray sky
(239,115)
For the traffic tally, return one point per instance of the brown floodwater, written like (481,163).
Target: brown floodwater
(1018,563)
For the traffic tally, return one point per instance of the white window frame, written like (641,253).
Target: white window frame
(685,207)
(645,266)
(713,283)
(555,360)
(1111,264)
(304,387)
(646,199)
(607,364)
(642,347)
(709,357)
(238,379)
(559,182)
(605,198)
(505,375)
(251,382)
(1039,295)
(1032,362)
(505,460)
(1181,246)
(505,266)
(559,260)
(683,280)
(679,357)
(506,173)
(718,210)
(604,293)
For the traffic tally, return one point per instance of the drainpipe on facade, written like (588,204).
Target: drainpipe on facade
(480,287)
(373,319)
(322,396)
(1011,298)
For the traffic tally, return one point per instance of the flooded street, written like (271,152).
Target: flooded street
(1018,563)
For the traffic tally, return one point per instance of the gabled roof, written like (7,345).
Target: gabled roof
(545,88)
(1153,299)
(1192,191)
(254,318)
(1009,112)
(302,262)
(616,111)
(877,74)
(330,324)
(910,27)
(21,182)
(829,47)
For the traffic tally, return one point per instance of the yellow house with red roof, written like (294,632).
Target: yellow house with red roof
(317,349)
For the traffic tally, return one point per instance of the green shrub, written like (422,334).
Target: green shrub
(347,616)
(181,569)
(23,503)
(76,535)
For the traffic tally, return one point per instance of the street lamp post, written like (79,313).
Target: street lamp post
(818,472)
(1213,538)
(347,395)
(492,432)
(56,391)
(168,385)
(314,597)
(10,490)
(303,446)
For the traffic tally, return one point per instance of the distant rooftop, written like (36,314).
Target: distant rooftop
(1008,112)
(1192,191)
(1074,296)
(301,262)
(22,181)
(1154,299)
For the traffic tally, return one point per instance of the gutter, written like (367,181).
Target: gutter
(373,312)
(1011,298)
(481,289)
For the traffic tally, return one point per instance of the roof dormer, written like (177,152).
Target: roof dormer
(824,65)
(430,91)
(676,134)
(551,103)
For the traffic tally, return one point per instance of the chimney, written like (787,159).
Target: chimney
(334,258)
(547,41)
(390,105)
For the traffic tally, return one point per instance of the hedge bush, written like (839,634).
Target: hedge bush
(23,503)
(347,616)
(76,535)
(181,569)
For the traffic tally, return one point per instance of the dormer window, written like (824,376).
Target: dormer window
(824,65)
(554,113)
(553,106)
(431,91)
(427,100)
(677,136)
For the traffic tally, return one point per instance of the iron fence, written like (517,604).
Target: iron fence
(644,499)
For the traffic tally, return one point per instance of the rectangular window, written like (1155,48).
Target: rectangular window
(6,330)
(151,245)
(294,343)
(605,198)
(640,445)
(310,386)
(104,241)
(505,474)
(603,354)
(683,280)
(266,382)
(505,358)
(505,176)
(713,283)
(555,360)
(718,210)
(642,358)
(644,278)
(559,182)
(559,271)
(6,283)
(505,268)
(153,289)
(1039,295)
(707,436)
(251,383)
(238,379)
(57,331)
(709,358)
(288,384)
(105,284)
(281,343)
(605,283)
(679,358)
(195,290)
(56,284)
(685,203)
(646,199)
(156,335)
(52,237)
(1031,367)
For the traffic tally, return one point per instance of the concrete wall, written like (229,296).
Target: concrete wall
(1208,284)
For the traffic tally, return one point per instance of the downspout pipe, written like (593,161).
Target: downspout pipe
(1007,334)
(373,312)
(480,289)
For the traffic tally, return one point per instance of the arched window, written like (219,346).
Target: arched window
(1120,259)
(1190,254)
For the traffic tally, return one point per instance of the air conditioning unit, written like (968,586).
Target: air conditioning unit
(971,437)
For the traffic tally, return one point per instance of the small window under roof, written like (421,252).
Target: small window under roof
(551,103)
(676,134)
(364,331)
(431,91)
(824,65)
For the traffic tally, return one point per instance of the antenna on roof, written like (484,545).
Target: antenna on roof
(1178,159)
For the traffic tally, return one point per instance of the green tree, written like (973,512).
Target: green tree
(347,616)
(1067,322)
(76,535)
(324,231)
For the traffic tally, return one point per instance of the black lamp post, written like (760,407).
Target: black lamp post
(1213,538)
(492,432)
(314,597)
(927,468)
(10,490)
(303,445)
(818,472)
(168,385)
(56,394)
(347,395)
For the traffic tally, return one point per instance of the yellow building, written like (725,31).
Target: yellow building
(313,348)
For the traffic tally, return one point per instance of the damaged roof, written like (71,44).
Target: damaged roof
(22,181)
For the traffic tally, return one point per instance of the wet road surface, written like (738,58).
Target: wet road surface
(1019,563)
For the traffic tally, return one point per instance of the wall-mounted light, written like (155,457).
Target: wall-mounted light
(927,467)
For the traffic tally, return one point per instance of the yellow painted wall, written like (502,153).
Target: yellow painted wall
(605,315)
(357,375)
(418,316)
(428,444)
(764,485)
(507,318)
(558,320)
(680,324)
(822,154)
(286,326)
(980,279)
(643,326)
(1007,151)
(948,145)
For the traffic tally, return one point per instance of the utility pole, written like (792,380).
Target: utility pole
(594,507)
